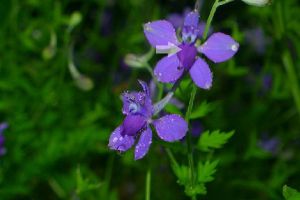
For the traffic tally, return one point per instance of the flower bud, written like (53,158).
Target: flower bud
(259,3)
(134,61)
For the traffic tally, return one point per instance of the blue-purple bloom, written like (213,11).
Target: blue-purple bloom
(257,39)
(269,144)
(267,82)
(219,47)
(177,20)
(138,111)
(3,126)
(196,128)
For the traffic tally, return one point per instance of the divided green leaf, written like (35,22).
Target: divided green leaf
(290,193)
(182,173)
(213,140)
(206,171)
(203,109)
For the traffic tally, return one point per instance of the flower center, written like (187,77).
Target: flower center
(133,108)
(187,55)
(189,34)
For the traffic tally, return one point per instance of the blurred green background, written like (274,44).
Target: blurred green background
(60,122)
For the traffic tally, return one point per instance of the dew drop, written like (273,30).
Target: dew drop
(115,139)
(234,47)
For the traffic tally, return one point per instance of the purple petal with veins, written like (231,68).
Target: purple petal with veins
(120,142)
(201,74)
(171,128)
(192,19)
(145,87)
(143,145)
(187,55)
(219,47)
(160,32)
(132,124)
(176,20)
(167,70)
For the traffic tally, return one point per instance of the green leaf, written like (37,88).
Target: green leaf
(206,171)
(214,140)
(170,108)
(290,193)
(203,109)
(84,185)
(182,173)
(197,189)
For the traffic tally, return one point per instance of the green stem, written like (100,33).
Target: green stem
(159,86)
(292,77)
(189,140)
(212,14)
(148,185)
(210,18)
(172,158)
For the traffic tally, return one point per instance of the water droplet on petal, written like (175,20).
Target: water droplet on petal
(234,47)
(115,139)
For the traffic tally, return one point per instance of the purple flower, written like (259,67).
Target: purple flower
(177,20)
(257,39)
(267,82)
(3,126)
(196,128)
(269,144)
(218,48)
(138,111)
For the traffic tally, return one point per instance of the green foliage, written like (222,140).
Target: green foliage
(84,185)
(56,126)
(202,110)
(290,193)
(182,173)
(213,140)
(206,171)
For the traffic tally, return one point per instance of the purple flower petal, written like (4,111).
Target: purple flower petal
(171,127)
(192,19)
(187,55)
(119,142)
(201,29)
(3,126)
(219,47)
(2,151)
(2,140)
(201,74)
(137,103)
(143,145)
(145,87)
(160,32)
(167,69)
(132,124)
(176,20)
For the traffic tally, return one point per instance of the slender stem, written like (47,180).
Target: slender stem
(210,18)
(172,158)
(191,103)
(148,67)
(159,86)
(224,2)
(189,140)
(292,77)
(148,185)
